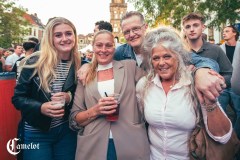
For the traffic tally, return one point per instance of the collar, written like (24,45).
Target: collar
(205,46)
(128,52)
(17,54)
(139,58)
(156,80)
(104,67)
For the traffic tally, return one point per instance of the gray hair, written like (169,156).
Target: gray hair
(131,14)
(169,39)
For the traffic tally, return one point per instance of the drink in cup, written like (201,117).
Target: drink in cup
(114,117)
(58,101)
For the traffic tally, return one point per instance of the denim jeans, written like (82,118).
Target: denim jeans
(59,143)
(227,97)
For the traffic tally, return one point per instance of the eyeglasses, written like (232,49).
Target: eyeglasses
(134,30)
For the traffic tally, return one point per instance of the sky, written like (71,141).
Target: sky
(83,13)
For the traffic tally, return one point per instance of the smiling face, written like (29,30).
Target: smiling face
(134,31)
(165,63)
(103,47)
(63,40)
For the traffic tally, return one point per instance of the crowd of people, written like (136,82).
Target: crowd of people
(166,81)
(10,58)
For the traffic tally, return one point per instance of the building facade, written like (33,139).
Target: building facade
(35,27)
(84,40)
(117,9)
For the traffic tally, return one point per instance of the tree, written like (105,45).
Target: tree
(11,23)
(217,12)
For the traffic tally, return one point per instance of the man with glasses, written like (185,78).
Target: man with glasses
(134,28)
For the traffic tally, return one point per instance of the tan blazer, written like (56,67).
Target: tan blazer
(129,132)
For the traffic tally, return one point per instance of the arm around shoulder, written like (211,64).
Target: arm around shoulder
(203,62)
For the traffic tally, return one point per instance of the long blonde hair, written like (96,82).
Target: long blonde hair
(92,72)
(48,59)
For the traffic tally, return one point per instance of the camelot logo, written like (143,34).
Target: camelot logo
(14,148)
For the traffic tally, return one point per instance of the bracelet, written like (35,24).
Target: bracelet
(194,71)
(210,107)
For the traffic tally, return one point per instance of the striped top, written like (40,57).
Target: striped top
(56,85)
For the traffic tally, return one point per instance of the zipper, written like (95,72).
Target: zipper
(45,97)
(41,90)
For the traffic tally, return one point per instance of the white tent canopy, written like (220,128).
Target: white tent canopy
(88,47)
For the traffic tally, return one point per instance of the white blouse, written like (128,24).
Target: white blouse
(171,119)
(106,86)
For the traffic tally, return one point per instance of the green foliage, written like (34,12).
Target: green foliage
(122,40)
(11,23)
(217,12)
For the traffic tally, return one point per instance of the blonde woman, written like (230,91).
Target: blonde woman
(48,76)
(104,139)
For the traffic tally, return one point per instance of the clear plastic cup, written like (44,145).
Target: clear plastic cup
(114,117)
(58,101)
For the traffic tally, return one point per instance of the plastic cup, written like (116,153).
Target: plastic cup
(58,101)
(114,117)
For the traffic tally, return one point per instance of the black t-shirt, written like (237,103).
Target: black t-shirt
(230,52)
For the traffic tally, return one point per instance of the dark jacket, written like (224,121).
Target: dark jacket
(123,52)
(28,97)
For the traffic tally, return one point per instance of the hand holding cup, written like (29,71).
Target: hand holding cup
(55,107)
(58,99)
(114,116)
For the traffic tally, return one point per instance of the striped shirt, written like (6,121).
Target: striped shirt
(56,85)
